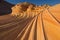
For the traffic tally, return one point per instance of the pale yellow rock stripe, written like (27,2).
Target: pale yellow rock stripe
(40,35)
(31,35)
(26,31)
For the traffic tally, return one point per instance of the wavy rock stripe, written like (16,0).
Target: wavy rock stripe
(44,25)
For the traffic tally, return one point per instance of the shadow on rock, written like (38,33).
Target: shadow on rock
(5,7)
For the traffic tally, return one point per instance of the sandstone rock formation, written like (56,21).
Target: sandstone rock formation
(31,22)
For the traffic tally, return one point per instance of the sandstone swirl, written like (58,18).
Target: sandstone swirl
(31,22)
